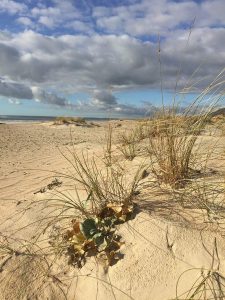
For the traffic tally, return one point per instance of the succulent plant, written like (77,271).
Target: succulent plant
(97,235)
(89,228)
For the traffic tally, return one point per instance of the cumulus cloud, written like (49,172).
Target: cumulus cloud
(14,91)
(12,7)
(104,98)
(79,26)
(75,63)
(48,98)
(25,21)
(136,18)
(158,16)
(100,100)
(59,14)
(146,109)
(123,56)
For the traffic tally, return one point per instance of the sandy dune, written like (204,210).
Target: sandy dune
(161,242)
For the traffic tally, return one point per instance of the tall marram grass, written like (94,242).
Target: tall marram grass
(172,147)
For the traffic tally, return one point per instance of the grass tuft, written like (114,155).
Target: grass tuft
(69,120)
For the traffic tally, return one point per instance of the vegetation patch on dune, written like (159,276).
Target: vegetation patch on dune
(69,120)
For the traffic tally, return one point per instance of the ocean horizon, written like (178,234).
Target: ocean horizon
(19,118)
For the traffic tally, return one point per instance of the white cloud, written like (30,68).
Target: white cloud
(57,15)
(101,100)
(48,98)
(25,21)
(158,16)
(146,17)
(79,26)
(211,13)
(14,101)
(105,101)
(113,60)
(136,18)
(47,21)
(12,7)
(75,63)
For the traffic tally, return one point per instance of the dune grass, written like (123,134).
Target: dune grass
(130,140)
(129,151)
(98,195)
(208,284)
(172,137)
(108,152)
(69,120)
(101,184)
(172,150)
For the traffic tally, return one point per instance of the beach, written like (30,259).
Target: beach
(160,242)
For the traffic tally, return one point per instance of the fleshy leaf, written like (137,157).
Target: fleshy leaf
(89,229)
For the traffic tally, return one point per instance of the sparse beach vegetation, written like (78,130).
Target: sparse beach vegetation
(121,210)
(69,120)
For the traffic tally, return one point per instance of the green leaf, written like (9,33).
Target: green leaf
(89,229)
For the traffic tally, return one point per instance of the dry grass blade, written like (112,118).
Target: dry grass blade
(129,151)
(172,152)
(172,137)
(208,285)
(108,151)
(204,196)
(92,184)
(130,141)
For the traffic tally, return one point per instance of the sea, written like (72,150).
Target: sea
(21,119)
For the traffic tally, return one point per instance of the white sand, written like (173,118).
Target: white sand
(160,244)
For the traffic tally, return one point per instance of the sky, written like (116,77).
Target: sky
(106,58)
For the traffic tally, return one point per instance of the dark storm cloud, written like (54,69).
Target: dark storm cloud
(15,90)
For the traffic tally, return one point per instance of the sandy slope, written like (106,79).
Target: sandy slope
(161,242)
